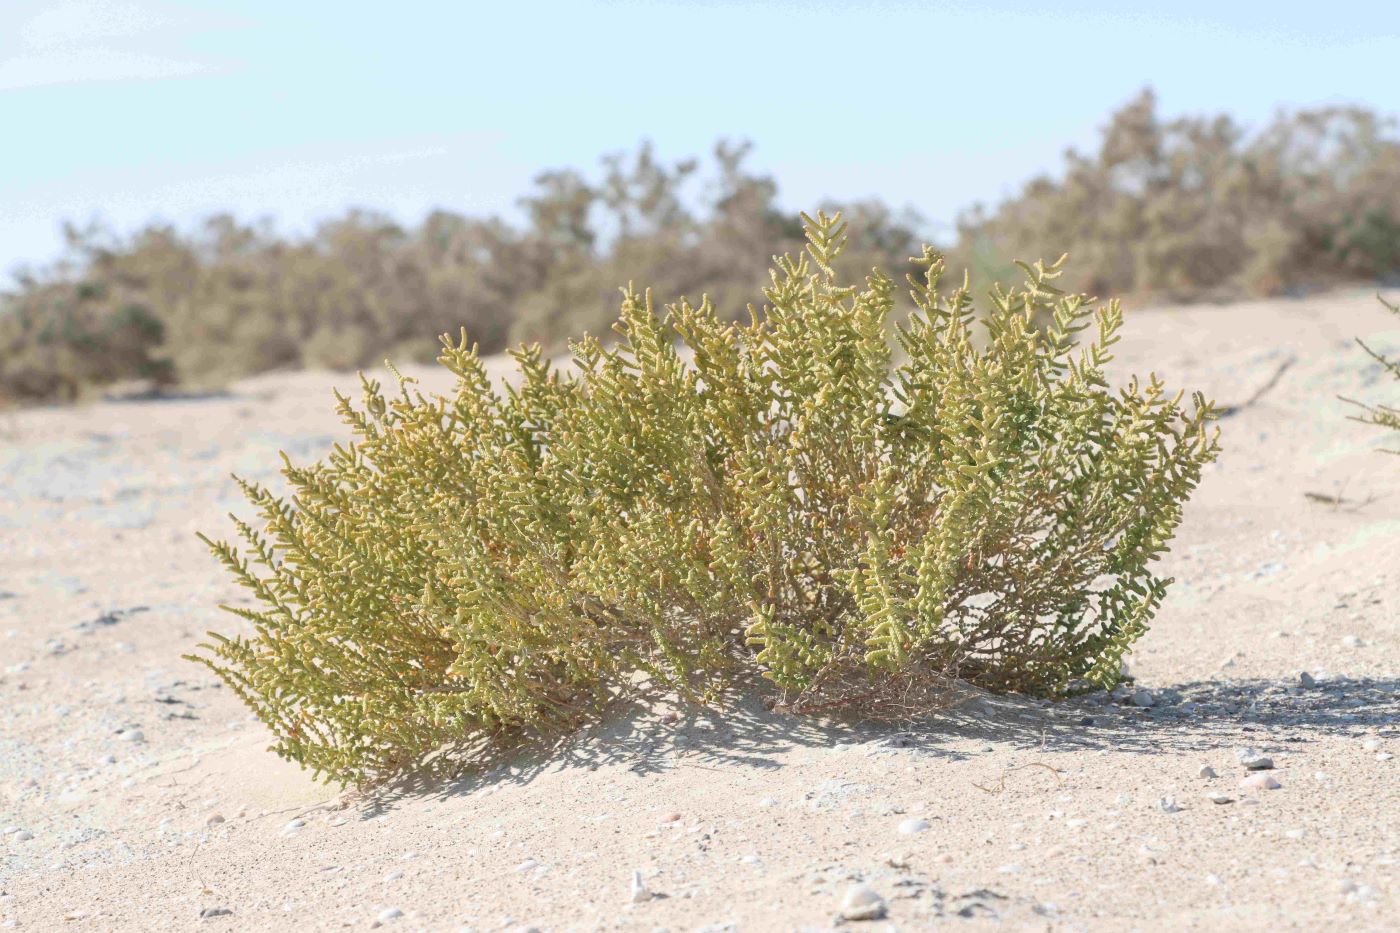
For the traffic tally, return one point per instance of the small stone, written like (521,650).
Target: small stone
(1144,698)
(135,735)
(1351,641)
(1217,797)
(1384,756)
(1253,761)
(1212,880)
(670,717)
(1168,805)
(107,760)
(214,819)
(1206,772)
(23,835)
(640,894)
(768,802)
(389,913)
(1306,680)
(1260,782)
(1296,833)
(672,817)
(210,912)
(913,827)
(862,902)
(292,827)
(392,877)
(1087,721)
(527,865)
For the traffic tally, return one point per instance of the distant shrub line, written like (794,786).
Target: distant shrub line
(1180,209)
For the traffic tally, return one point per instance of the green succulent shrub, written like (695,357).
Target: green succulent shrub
(703,499)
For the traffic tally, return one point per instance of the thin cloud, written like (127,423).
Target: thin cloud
(86,41)
(79,22)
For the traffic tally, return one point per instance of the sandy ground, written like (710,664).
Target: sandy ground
(136,794)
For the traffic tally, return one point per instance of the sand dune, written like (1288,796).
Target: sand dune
(135,793)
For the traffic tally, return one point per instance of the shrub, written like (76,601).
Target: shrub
(1198,207)
(706,498)
(62,339)
(1382,416)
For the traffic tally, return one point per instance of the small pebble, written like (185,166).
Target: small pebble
(671,817)
(913,827)
(1206,772)
(1260,782)
(1253,761)
(1384,756)
(1306,680)
(862,902)
(1144,698)
(389,913)
(214,820)
(1351,641)
(1372,744)
(135,735)
(1217,797)
(292,827)
(640,894)
(209,912)
(1168,805)
(23,835)
(768,802)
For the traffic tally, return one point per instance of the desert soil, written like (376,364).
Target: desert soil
(137,794)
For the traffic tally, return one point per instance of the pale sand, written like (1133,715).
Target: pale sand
(98,508)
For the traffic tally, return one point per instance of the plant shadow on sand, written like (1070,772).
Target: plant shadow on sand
(1198,716)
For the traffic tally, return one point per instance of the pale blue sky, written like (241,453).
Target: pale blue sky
(132,110)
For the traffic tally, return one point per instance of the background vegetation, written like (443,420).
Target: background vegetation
(1189,208)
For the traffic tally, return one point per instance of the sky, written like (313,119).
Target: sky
(132,111)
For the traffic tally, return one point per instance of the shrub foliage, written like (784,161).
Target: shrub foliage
(1382,416)
(57,340)
(704,498)
(1199,207)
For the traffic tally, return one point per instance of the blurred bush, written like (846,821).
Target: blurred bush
(57,338)
(1182,209)
(1197,208)
(232,299)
